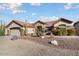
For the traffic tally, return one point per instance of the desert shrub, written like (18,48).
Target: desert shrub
(71,32)
(39,31)
(2,32)
(62,32)
(55,32)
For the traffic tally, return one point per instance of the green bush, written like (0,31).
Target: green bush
(2,29)
(2,32)
(39,31)
(55,32)
(71,32)
(62,32)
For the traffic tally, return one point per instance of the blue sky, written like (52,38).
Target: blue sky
(38,11)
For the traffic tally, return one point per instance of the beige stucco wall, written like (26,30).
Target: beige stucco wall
(61,22)
(39,24)
(12,25)
(30,30)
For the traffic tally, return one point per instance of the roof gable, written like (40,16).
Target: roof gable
(65,20)
(20,23)
(52,23)
(76,23)
(39,22)
(13,21)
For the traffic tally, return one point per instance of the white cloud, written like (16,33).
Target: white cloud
(68,6)
(48,18)
(34,14)
(14,7)
(35,4)
(71,6)
(18,11)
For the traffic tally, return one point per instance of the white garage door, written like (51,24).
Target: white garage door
(15,32)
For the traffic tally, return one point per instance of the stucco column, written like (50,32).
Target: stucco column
(22,31)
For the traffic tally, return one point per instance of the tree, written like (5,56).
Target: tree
(2,29)
(62,32)
(39,31)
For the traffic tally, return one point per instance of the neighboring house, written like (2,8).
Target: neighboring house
(16,27)
(76,25)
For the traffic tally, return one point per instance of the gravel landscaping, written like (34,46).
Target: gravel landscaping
(35,46)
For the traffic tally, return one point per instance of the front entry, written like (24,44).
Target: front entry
(15,31)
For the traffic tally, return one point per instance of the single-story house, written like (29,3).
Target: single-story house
(76,25)
(16,27)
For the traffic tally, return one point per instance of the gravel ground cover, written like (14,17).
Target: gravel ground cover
(35,46)
(63,42)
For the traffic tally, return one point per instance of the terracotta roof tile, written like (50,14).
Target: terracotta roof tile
(21,23)
(51,23)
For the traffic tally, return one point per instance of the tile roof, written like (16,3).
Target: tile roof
(51,23)
(21,23)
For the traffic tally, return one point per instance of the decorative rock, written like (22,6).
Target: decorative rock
(14,38)
(42,37)
(54,42)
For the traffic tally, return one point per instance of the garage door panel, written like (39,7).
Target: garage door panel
(15,32)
